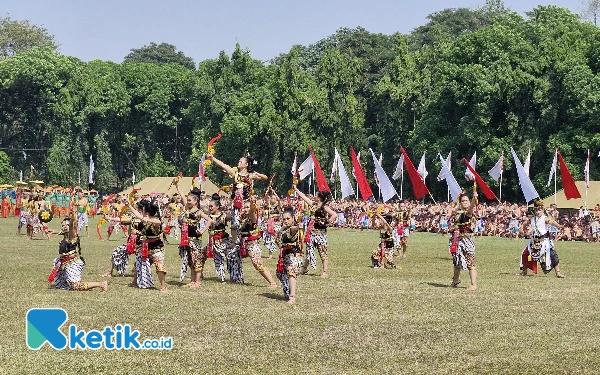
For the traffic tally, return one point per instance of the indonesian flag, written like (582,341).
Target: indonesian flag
(387,189)
(527,162)
(468,174)
(306,167)
(92,169)
(201,175)
(361,180)
(321,181)
(453,185)
(418,185)
(526,186)
(347,189)
(485,189)
(399,168)
(441,176)
(569,187)
(421,169)
(334,167)
(553,167)
(497,169)
(586,171)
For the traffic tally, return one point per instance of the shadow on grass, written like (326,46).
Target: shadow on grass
(438,285)
(274,296)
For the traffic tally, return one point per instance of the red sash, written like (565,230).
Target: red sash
(400,229)
(237,202)
(185,241)
(131,244)
(528,262)
(54,271)
(271,226)
(311,225)
(280,262)
(144,250)
(454,245)
(167,229)
(382,247)
(210,253)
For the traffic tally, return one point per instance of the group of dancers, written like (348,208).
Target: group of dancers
(282,228)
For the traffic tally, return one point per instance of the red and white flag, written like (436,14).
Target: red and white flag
(468,174)
(497,169)
(553,167)
(306,167)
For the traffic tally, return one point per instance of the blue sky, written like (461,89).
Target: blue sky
(108,29)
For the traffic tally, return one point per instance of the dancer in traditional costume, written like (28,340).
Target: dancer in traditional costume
(383,256)
(220,246)
(82,210)
(290,254)
(193,225)
(540,248)
(461,245)
(249,245)
(272,223)
(151,251)
(68,267)
(400,235)
(243,175)
(316,233)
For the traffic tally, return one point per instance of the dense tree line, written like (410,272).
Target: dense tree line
(469,80)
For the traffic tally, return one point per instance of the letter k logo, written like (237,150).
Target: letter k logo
(44,325)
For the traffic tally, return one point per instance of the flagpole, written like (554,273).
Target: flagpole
(401,183)
(448,198)
(501,186)
(313,180)
(555,158)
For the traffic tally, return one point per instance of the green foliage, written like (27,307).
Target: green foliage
(469,80)
(163,53)
(5,170)
(19,36)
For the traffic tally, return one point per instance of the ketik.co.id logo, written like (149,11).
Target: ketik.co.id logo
(43,325)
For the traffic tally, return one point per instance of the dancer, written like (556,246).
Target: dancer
(249,245)
(384,254)
(290,254)
(541,247)
(461,243)
(316,232)
(243,175)
(220,245)
(271,215)
(193,226)
(82,216)
(68,267)
(151,251)
(402,231)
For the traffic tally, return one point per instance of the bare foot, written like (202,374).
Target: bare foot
(272,286)
(291,300)
(106,274)
(303,271)
(163,289)
(324,275)
(189,285)
(560,276)
(104,286)
(133,285)
(454,283)
(472,287)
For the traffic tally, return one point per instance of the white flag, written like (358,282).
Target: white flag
(92,169)
(527,162)
(306,167)
(422,170)
(526,185)
(586,171)
(201,175)
(334,167)
(468,174)
(295,165)
(21,175)
(441,175)
(344,180)
(453,185)
(133,179)
(399,168)
(387,189)
(552,168)
(497,169)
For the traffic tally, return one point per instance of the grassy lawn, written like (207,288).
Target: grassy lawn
(358,321)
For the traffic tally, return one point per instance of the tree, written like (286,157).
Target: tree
(163,53)
(18,36)
(4,168)
(591,11)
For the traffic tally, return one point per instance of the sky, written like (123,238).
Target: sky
(109,29)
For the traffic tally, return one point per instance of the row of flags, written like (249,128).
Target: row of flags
(418,175)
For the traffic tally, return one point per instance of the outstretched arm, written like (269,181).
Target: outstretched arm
(223,166)
(304,197)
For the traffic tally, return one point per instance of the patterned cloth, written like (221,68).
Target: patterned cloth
(69,275)
(318,241)
(143,271)
(255,254)
(120,258)
(193,256)
(464,258)
(224,250)
(269,239)
(291,265)
(82,220)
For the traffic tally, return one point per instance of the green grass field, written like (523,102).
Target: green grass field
(358,321)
